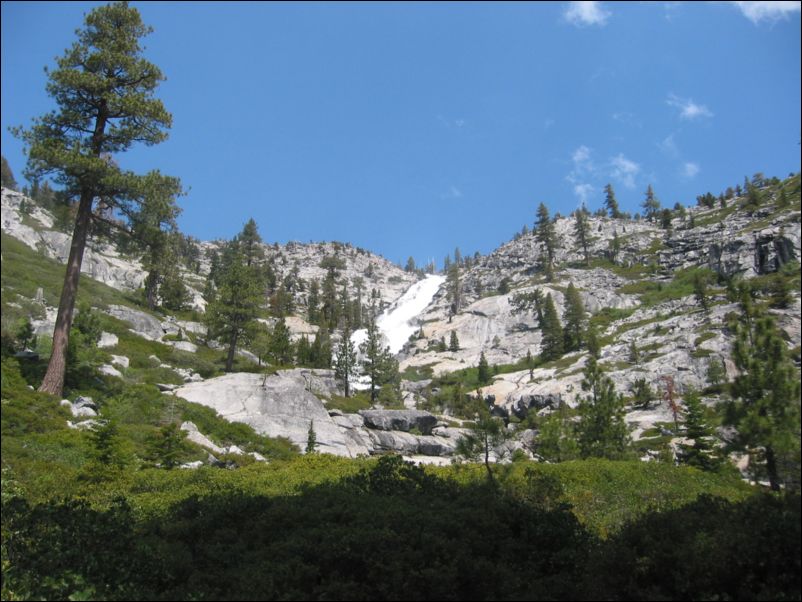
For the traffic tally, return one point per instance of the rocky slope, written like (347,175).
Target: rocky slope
(638,299)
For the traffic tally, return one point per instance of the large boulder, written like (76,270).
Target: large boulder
(399,420)
(140,322)
(278,405)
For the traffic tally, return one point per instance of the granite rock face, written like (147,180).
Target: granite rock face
(277,405)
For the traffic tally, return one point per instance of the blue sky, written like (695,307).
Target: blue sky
(414,128)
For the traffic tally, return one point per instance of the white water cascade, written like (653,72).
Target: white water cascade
(396,323)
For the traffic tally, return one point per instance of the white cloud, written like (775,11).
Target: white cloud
(581,157)
(583,192)
(582,14)
(767,11)
(624,170)
(690,169)
(669,146)
(687,108)
(452,193)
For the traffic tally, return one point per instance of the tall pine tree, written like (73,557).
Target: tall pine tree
(546,236)
(104,94)
(552,331)
(574,318)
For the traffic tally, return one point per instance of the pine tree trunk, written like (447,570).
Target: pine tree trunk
(771,468)
(53,381)
(232,348)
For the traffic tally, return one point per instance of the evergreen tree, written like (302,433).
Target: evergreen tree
(330,310)
(231,316)
(557,439)
(602,431)
(313,302)
(453,344)
(701,453)
(592,341)
(345,366)
(320,353)
(311,438)
(167,446)
(484,369)
(107,451)
(614,247)
(574,318)
(250,244)
(529,362)
(642,394)
(378,363)
(651,206)
(716,373)
(6,175)
(700,282)
(281,351)
(454,287)
(752,197)
(487,435)
(582,231)
(546,236)
(103,90)
(610,203)
(410,267)
(552,332)
(765,407)
(665,219)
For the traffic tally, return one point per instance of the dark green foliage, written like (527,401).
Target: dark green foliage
(701,453)
(487,436)
(557,441)
(582,231)
(281,351)
(453,344)
(346,366)
(234,306)
(602,431)
(378,364)
(642,394)
(546,236)
(6,175)
(311,438)
(610,203)
(711,549)
(574,318)
(484,370)
(651,206)
(168,446)
(766,400)
(552,332)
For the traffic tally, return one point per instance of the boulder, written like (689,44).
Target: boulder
(141,323)
(399,420)
(277,405)
(107,340)
(194,435)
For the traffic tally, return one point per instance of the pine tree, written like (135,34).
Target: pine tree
(313,302)
(250,244)
(6,175)
(103,90)
(320,353)
(602,431)
(281,351)
(651,206)
(167,446)
(552,331)
(610,203)
(487,435)
(311,438)
(614,247)
(766,407)
(345,366)
(378,363)
(557,439)
(582,231)
(484,370)
(453,344)
(231,316)
(701,453)
(574,318)
(546,236)
(529,362)
(642,394)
